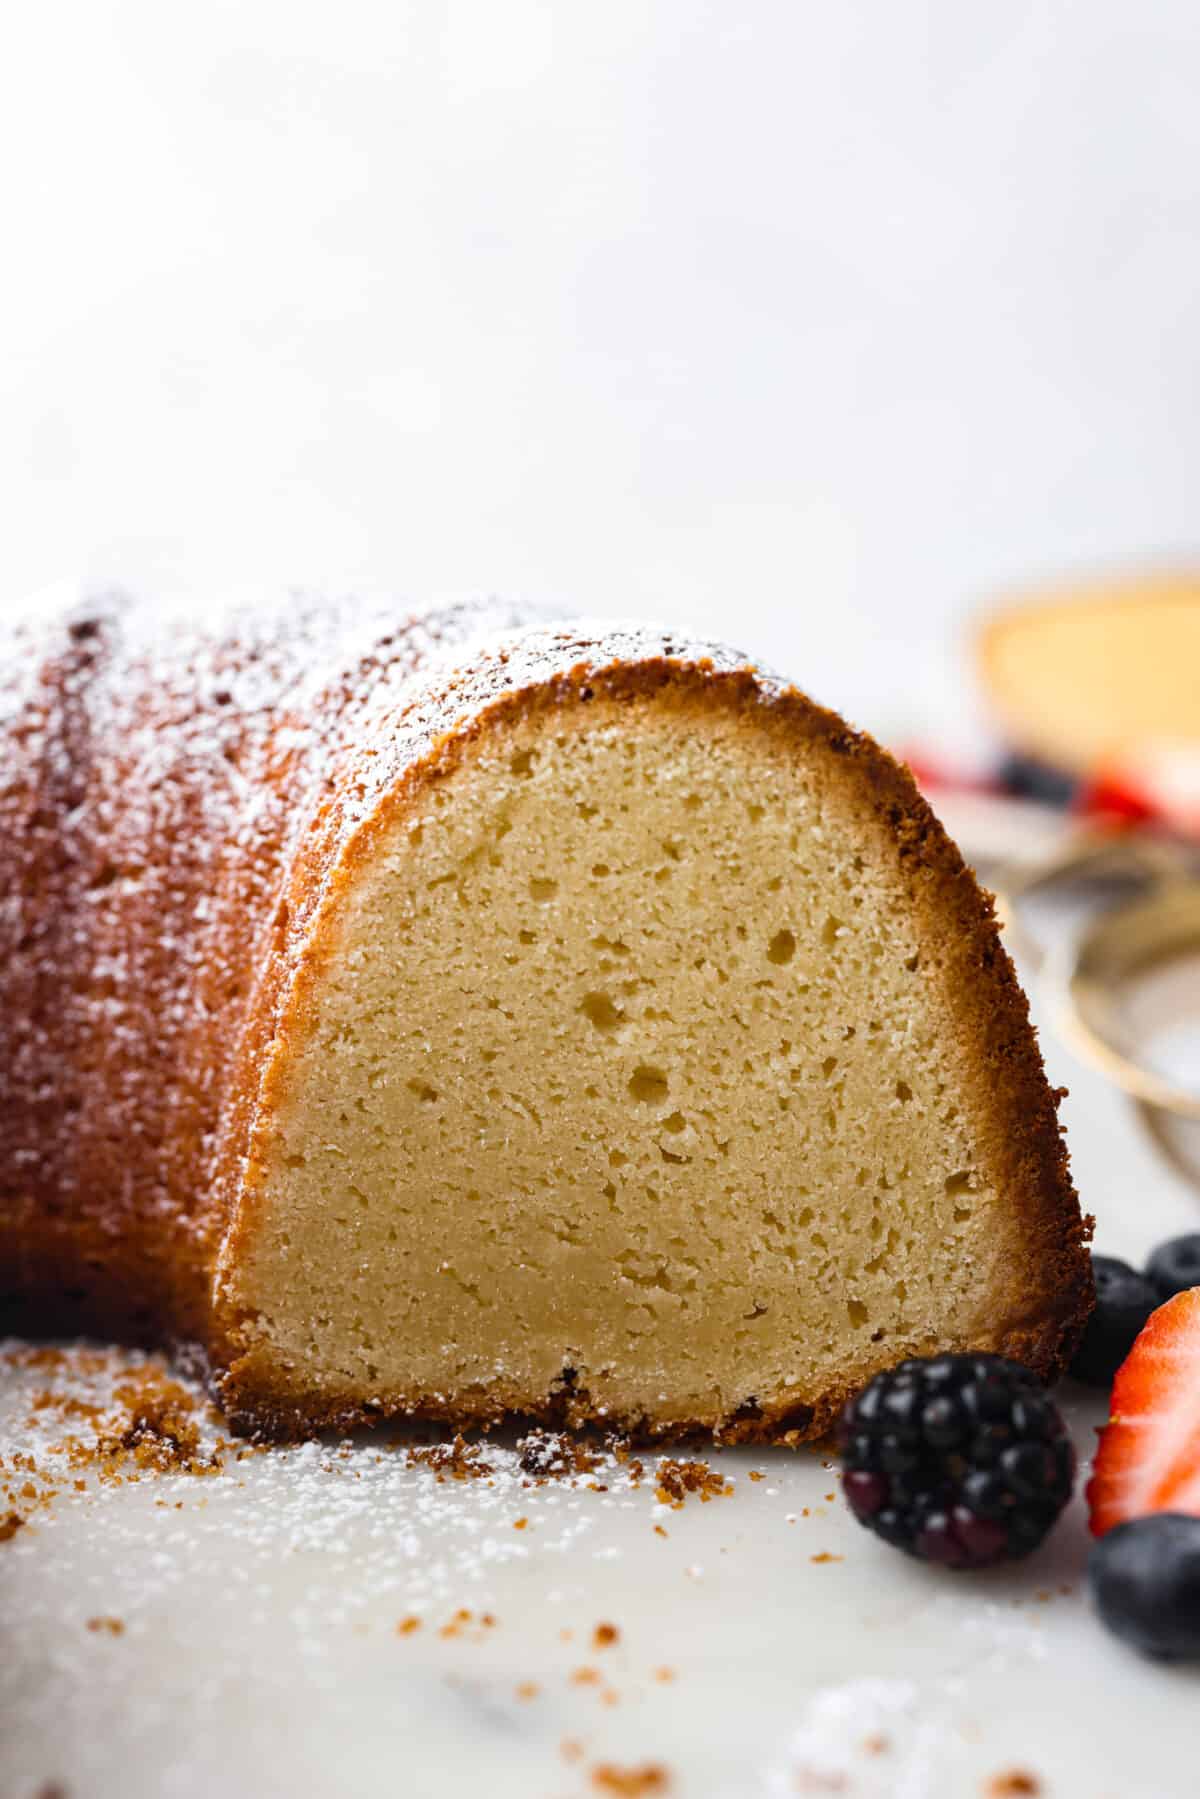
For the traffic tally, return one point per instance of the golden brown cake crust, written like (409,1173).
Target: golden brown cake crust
(179,814)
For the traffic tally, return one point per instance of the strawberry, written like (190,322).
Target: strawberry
(1148,1458)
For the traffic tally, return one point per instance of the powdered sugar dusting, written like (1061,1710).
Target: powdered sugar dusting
(173,799)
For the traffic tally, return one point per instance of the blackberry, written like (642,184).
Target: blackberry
(1124,1301)
(958,1459)
(1175,1266)
(1145,1581)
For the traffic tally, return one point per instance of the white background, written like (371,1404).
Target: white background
(815,324)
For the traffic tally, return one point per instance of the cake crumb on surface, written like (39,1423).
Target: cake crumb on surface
(604,1636)
(631,1783)
(675,1480)
(112,1627)
(458,1623)
(825,1556)
(1013,1783)
(407,1625)
(528,1689)
(156,1426)
(10,1524)
(549,1455)
(458,1460)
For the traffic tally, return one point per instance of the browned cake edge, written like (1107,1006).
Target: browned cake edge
(1027,1144)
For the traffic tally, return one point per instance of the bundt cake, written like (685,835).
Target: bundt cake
(461,1015)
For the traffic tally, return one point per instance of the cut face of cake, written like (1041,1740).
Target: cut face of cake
(621,1041)
(643,1066)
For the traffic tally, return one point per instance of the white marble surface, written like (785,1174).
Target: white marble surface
(260,1654)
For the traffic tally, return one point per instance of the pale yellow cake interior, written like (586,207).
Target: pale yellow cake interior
(630,1061)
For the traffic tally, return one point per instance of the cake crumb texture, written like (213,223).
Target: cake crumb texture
(453,1016)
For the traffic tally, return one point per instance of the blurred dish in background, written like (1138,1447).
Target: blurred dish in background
(1098,687)
(1127,991)
(1097,691)
(1093,672)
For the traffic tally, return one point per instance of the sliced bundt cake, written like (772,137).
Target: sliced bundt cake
(461,1015)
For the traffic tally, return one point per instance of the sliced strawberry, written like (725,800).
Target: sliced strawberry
(1148,1459)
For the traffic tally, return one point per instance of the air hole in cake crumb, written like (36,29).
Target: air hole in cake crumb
(526,937)
(585,811)
(958,1183)
(600,869)
(754,812)
(828,1066)
(541,888)
(617,1158)
(831,930)
(649,1086)
(675,1122)
(614,945)
(781,948)
(599,1010)
(522,763)
(857,1313)
(423,1091)
(961,1214)
(903,1092)
(693,802)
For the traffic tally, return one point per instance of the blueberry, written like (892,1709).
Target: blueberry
(1124,1301)
(1027,779)
(1175,1266)
(1145,1581)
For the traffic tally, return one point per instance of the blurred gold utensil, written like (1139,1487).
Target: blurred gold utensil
(1106,959)
(1097,968)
